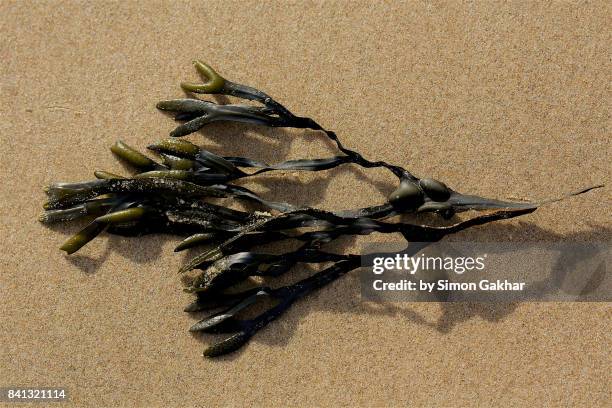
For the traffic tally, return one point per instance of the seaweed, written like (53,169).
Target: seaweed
(174,195)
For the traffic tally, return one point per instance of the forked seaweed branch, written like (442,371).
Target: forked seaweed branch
(190,191)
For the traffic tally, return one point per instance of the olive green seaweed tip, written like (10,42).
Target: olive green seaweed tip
(215,82)
(105,175)
(118,217)
(75,242)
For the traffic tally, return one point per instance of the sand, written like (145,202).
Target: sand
(500,100)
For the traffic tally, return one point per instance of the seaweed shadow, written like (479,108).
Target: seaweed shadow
(343,296)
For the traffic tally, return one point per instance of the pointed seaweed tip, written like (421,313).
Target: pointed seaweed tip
(117,217)
(193,240)
(201,325)
(184,269)
(73,244)
(131,155)
(568,195)
(106,175)
(169,105)
(178,147)
(160,105)
(192,307)
(227,346)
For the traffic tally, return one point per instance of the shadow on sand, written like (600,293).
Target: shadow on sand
(343,297)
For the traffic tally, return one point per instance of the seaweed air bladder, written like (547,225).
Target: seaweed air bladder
(181,194)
